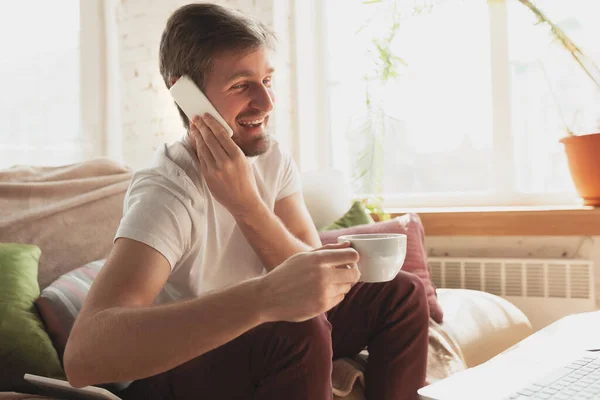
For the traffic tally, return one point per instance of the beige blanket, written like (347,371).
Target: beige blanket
(72,213)
(445,358)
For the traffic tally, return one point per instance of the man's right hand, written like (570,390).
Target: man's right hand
(308,284)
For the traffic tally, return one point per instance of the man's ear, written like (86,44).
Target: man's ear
(173,80)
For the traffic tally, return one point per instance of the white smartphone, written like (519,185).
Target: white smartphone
(193,102)
(63,390)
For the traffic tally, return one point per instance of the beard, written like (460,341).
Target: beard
(252,143)
(256,146)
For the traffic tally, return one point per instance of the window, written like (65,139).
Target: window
(478,103)
(45,115)
(547,86)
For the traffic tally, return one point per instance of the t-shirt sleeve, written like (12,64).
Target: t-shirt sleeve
(155,216)
(290,182)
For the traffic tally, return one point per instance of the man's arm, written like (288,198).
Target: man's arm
(120,336)
(291,225)
(273,236)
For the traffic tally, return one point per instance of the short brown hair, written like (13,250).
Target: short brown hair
(195,33)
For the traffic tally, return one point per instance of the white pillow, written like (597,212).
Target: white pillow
(327,195)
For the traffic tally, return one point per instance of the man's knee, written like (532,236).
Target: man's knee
(409,282)
(294,355)
(409,288)
(305,343)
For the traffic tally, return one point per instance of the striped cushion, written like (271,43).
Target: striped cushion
(60,302)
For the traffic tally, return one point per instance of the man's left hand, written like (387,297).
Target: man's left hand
(225,167)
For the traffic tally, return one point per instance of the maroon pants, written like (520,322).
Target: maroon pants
(294,360)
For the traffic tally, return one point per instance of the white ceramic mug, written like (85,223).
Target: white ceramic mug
(381,254)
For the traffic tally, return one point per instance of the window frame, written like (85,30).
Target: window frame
(315,148)
(92,64)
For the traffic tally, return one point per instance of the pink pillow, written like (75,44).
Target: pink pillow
(416,256)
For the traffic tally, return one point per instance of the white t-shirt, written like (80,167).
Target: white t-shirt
(170,208)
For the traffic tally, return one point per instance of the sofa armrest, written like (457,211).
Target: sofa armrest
(483,324)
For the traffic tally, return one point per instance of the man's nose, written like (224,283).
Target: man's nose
(263,99)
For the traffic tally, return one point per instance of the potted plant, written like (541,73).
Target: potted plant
(374,124)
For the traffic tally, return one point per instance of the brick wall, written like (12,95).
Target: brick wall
(139,100)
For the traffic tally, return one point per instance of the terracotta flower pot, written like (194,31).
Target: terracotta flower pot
(583,155)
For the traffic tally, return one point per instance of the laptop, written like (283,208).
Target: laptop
(560,362)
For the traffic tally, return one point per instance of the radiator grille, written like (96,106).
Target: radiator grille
(535,280)
(472,276)
(515,277)
(580,281)
(557,280)
(493,278)
(453,275)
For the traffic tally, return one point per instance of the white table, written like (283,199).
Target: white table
(541,352)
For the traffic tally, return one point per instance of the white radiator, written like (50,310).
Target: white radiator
(544,289)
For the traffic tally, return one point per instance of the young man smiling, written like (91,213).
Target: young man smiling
(183,306)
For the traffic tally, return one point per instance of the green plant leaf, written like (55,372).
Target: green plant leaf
(400,60)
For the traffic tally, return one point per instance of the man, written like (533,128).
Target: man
(182,306)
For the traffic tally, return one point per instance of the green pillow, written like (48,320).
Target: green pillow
(25,347)
(356,215)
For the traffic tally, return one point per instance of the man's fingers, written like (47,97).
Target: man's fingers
(202,150)
(337,300)
(342,289)
(202,164)
(221,135)
(341,245)
(345,275)
(337,256)
(211,141)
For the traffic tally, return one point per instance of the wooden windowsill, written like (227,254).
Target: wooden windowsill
(509,221)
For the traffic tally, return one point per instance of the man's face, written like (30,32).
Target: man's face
(240,89)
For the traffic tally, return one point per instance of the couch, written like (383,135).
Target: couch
(71,213)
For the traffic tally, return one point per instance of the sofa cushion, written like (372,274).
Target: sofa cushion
(60,302)
(482,324)
(416,255)
(24,344)
(356,215)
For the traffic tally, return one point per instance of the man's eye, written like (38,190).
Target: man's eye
(239,86)
(267,82)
